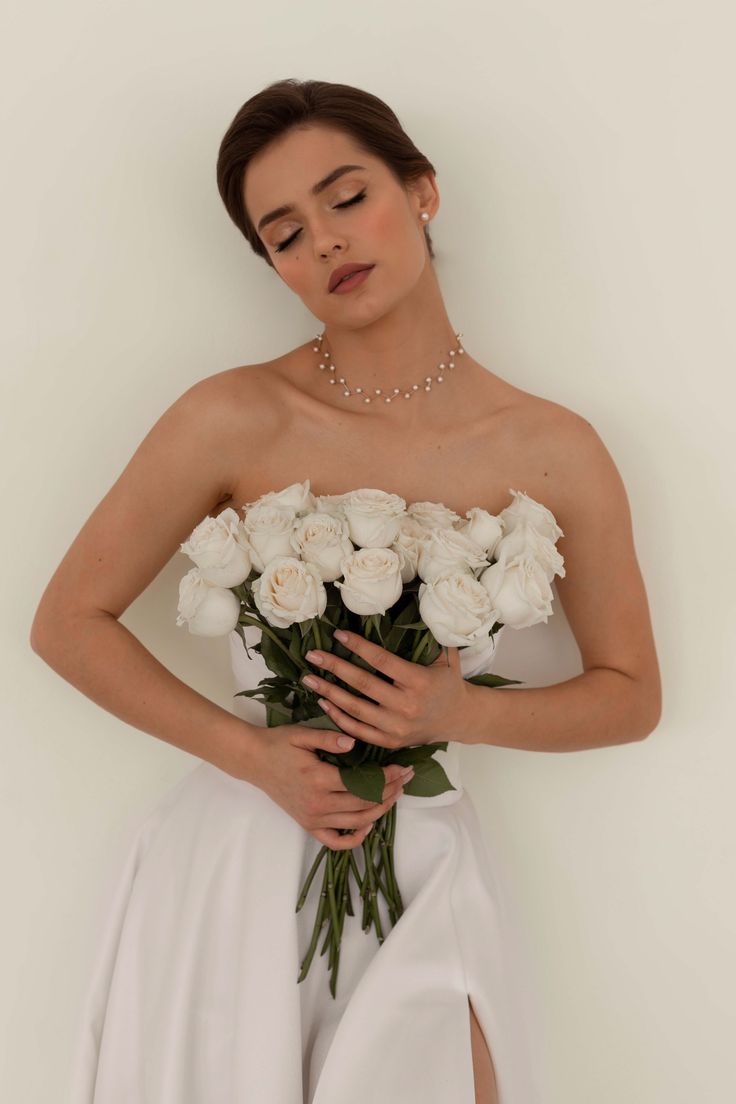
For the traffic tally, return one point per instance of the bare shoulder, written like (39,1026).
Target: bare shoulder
(569,462)
(181,471)
(587,479)
(237,404)
(244,390)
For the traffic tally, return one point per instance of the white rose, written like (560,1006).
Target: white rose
(330,504)
(373,517)
(322,540)
(484,528)
(520,590)
(457,609)
(269,529)
(447,550)
(525,540)
(219,548)
(296,497)
(372,580)
(433,515)
(407,546)
(525,508)
(207,609)
(289,591)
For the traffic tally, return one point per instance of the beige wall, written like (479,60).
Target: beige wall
(585,246)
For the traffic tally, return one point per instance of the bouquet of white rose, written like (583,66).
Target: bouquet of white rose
(416,578)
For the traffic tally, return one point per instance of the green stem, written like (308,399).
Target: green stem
(392,835)
(319,920)
(310,878)
(372,892)
(420,646)
(331,889)
(269,632)
(356,871)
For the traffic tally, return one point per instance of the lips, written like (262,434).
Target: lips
(345,270)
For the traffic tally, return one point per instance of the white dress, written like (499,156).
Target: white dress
(194,996)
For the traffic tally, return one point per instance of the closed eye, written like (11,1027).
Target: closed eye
(348,203)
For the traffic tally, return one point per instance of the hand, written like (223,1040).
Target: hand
(310,790)
(422,704)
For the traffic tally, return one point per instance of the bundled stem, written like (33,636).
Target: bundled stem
(335,901)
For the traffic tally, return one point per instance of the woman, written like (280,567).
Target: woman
(195,998)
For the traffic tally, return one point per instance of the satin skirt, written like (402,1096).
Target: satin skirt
(194,996)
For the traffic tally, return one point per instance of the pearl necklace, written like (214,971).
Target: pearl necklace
(396,390)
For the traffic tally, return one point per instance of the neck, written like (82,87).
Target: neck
(393,351)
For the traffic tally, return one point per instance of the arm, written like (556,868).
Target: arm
(617,699)
(175,478)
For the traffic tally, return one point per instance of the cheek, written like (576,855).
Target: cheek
(293,272)
(396,237)
(387,221)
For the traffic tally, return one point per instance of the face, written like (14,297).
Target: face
(365,215)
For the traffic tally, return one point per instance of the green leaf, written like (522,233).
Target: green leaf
(305,627)
(295,643)
(277,660)
(321,722)
(429,780)
(277,714)
(401,621)
(278,709)
(366,781)
(493,680)
(409,756)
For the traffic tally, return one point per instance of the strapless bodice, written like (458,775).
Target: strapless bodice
(248,672)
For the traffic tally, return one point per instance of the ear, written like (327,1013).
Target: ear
(424,194)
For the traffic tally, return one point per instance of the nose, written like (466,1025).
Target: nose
(326,241)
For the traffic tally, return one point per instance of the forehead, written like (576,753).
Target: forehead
(287,168)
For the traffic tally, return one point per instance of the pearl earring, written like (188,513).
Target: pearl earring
(424,215)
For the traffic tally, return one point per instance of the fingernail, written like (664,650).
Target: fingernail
(408,773)
(345,741)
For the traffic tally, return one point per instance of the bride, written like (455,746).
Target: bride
(329,190)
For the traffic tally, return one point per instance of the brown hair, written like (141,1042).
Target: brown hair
(291,103)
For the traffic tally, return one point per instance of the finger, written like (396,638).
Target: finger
(347,802)
(333,783)
(356,728)
(402,671)
(361,708)
(361,820)
(331,838)
(399,670)
(375,690)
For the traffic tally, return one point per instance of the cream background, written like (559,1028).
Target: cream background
(585,248)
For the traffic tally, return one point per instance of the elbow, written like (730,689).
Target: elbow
(649,712)
(38,638)
(44,629)
(34,638)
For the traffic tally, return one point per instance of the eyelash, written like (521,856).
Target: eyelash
(348,203)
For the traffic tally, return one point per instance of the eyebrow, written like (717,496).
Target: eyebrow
(316,189)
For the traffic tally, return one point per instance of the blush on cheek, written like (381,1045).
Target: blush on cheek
(385,223)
